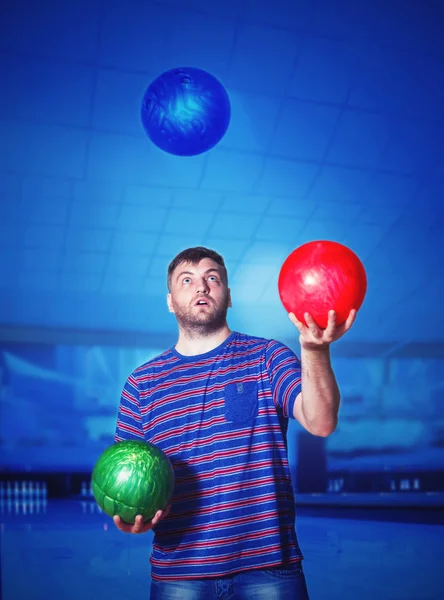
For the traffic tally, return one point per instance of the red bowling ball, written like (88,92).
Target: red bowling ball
(321,276)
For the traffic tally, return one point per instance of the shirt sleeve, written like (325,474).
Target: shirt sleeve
(129,420)
(284,370)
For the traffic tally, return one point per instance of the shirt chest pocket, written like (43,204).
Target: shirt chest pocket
(241,402)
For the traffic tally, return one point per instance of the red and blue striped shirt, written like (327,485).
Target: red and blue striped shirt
(222,419)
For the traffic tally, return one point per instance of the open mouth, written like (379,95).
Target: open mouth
(201,302)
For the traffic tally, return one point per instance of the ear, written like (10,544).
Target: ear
(170,304)
(229,298)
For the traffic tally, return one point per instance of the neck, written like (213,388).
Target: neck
(192,344)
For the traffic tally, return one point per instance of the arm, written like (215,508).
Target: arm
(317,405)
(129,427)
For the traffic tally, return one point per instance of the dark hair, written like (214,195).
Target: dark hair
(194,256)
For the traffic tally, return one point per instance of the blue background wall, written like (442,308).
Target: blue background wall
(59,408)
(337,133)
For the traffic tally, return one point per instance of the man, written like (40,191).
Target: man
(218,404)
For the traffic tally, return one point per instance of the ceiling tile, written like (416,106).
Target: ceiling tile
(132,241)
(44,149)
(87,239)
(286,177)
(285,14)
(118,100)
(279,228)
(196,198)
(181,221)
(60,92)
(234,225)
(223,8)
(136,217)
(80,282)
(75,262)
(304,130)
(128,159)
(253,118)
(324,71)
(355,126)
(337,184)
(170,245)
(231,171)
(50,237)
(44,211)
(67,31)
(263,50)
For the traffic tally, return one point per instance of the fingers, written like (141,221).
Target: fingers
(311,323)
(350,319)
(314,337)
(296,321)
(121,524)
(157,517)
(332,328)
(160,514)
(139,525)
(331,324)
(118,521)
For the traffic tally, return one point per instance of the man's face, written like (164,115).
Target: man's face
(199,296)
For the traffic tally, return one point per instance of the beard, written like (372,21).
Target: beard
(195,322)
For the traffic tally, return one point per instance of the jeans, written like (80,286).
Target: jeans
(258,584)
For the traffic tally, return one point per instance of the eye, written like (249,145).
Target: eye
(213,278)
(186,280)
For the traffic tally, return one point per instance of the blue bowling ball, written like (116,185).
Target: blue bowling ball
(185,111)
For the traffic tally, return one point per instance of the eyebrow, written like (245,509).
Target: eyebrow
(190,273)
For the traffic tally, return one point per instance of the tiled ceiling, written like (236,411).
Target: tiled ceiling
(337,132)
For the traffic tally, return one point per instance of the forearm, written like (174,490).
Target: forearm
(320,392)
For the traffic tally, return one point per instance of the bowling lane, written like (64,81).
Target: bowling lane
(71,550)
(351,559)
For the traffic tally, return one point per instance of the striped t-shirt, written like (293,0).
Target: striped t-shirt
(221,417)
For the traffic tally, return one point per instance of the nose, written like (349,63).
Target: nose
(202,287)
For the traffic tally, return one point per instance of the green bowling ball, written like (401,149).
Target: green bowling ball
(132,478)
